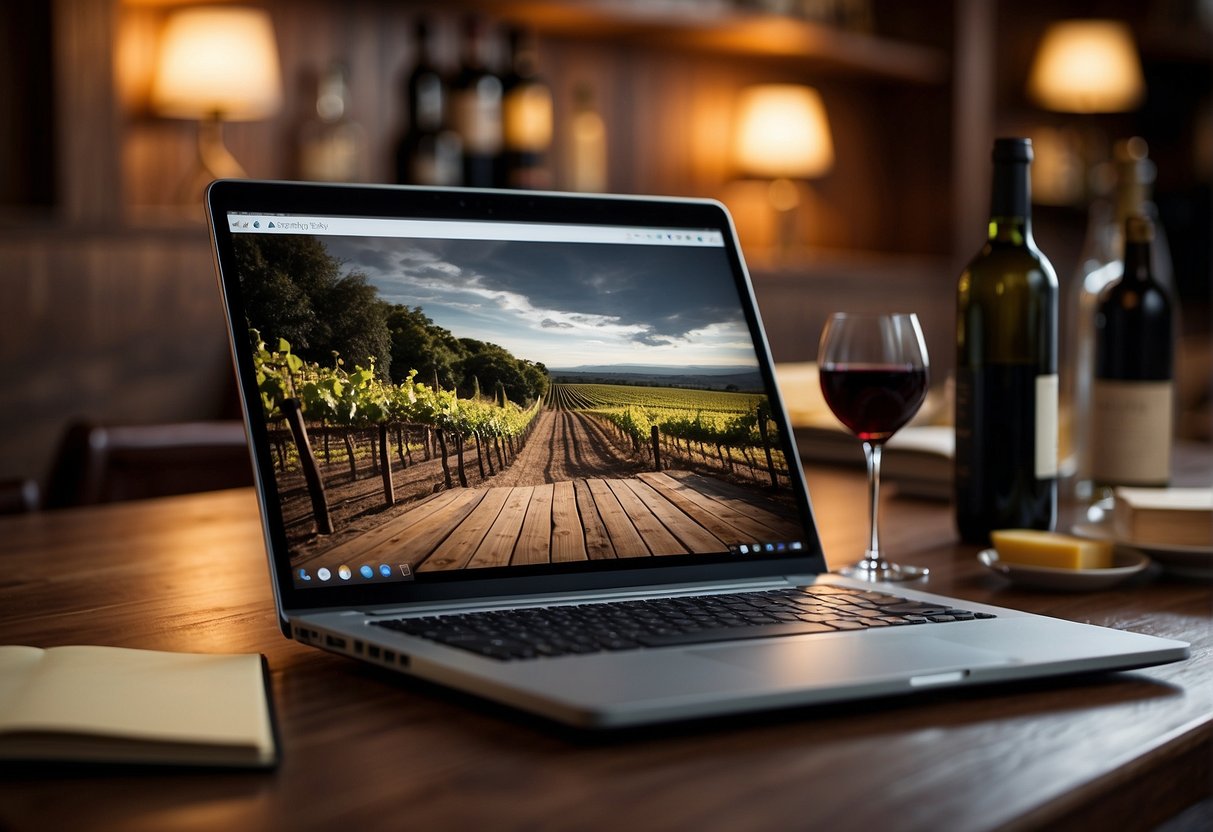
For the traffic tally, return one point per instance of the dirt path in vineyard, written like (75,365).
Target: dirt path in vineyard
(565,445)
(568,445)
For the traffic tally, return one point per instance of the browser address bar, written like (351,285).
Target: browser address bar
(469,230)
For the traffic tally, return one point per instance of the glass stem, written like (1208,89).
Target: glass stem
(871,452)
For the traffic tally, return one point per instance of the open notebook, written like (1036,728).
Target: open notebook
(118,705)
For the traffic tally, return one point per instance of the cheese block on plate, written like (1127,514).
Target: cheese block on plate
(1030,547)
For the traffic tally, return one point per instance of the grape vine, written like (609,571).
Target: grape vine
(361,399)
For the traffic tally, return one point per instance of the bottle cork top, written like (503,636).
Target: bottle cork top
(1012,150)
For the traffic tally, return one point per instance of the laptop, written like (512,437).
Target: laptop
(530,446)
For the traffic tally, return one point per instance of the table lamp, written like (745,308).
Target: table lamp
(1087,66)
(1082,67)
(782,134)
(217,64)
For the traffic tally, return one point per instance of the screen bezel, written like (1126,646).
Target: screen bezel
(292,198)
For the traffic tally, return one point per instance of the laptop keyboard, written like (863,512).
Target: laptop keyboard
(535,632)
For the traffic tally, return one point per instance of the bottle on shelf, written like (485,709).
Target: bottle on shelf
(1006,367)
(586,152)
(429,152)
(331,144)
(1101,263)
(476,105)
(1133,390)
(526,116)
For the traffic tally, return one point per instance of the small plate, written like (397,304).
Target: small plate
(1125,564)
(1187,561)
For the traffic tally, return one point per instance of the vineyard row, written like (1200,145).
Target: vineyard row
(729,422)
(331,401)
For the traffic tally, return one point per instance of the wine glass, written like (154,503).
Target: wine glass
(873,371)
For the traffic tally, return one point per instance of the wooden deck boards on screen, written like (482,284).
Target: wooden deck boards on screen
(667,513)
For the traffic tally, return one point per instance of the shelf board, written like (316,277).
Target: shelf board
(727,31)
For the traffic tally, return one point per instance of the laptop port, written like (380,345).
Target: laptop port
(372,651)
(358,647)
(333,641)
(389,656)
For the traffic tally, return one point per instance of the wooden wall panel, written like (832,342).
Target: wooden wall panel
(26,108)
(120,328)
(795,303)
(87,115)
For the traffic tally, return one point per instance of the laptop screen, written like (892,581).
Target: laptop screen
(446,399)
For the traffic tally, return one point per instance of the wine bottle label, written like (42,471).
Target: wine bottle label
(478,119)
(1046,427)
(527,119)
(1131,432)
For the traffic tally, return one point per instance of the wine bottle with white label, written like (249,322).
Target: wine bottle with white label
(1006,366)
(526,109)
(1133,391)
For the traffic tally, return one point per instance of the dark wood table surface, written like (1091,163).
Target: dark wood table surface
(365,749)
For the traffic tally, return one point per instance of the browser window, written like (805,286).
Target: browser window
(449,397)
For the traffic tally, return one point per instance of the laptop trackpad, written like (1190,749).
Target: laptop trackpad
(825,660)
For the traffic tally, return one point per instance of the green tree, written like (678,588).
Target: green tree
(293,288)
(491,365)
(356,323)
(278,278)
(537,378)
(417,343)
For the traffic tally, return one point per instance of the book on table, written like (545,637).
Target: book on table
(120,705)
(1164,516)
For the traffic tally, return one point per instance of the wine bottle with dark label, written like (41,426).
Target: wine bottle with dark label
(1133,391)
(429,152)
(1132,173)
(1006,367)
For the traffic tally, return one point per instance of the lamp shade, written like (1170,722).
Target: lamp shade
(1087,66)
(218,61)
(782,131)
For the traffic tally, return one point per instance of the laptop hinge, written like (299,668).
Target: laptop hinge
(581,596)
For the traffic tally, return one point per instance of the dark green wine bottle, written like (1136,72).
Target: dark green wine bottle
(1006,367)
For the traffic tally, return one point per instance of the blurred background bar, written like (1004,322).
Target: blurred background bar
(111,313)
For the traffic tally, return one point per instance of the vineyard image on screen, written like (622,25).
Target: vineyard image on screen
(439,406)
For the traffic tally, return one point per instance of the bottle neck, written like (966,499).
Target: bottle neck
(1137,262)
(1010,204)
(1131,197)
(1134,176)
(475,50)
(524,62)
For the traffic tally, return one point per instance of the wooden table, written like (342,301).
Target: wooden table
(364,749)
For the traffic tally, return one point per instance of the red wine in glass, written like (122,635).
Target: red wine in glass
(874,401)
(873,372)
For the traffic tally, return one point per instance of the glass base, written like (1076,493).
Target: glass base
(882,570)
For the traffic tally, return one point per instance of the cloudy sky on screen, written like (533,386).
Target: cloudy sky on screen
(565,304)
